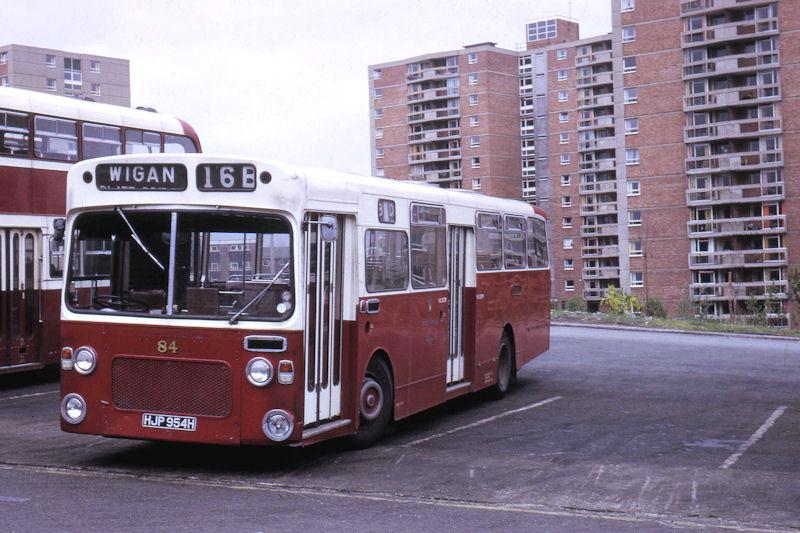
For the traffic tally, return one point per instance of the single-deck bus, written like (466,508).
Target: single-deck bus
(41,137)
(220,300)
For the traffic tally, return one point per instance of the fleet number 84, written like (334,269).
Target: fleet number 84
(164,347)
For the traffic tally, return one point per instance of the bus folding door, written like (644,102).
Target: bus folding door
(20,296)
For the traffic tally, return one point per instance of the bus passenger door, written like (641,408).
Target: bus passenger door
(457,281)
(323,320)
(20,300)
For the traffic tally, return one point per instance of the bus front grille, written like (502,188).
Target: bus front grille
(171,386)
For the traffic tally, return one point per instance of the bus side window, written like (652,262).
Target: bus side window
(537,243)
(56,258)
(386,260)
(428,247)
(489,242)
(514,242)
(13,133)
(100,141)
(178,144)
(142,142)
(56,139)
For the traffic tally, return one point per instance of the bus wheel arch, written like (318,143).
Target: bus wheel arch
(375,400)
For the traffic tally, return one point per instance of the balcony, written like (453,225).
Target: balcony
(611,250)
(732,129)
(745,29)
(749,95)
(603,100)
(433,94)
(737,226)
(767,257)
(432,73)
(596,230)
(601,273)
(602,56)
(594,294)
(734,161)
(735,194)
(732,64)
(434,114)
(596,166)
(435,176)
(603,78)
(759,290)
(434,135)
(598,186)
(605,121)
(695,7)
(434,155)
(605,208)
(603,143)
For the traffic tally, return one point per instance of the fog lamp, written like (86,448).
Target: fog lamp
(73,408)
(277,425)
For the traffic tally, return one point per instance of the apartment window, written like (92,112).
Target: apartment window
(378,112)
(635,218)
(3,58)
(541,30)
(565,180)
(476,162)
(214,266)
(566,201)
(379,133)
(95,89)
(627,5)
(472,79)
(51,84)
(562,96)
(94,66)
(472,58)
(563,138)
(628,34)
(631,126)
(631,95)
(378,153)
(568,244)
(565,159)
(377,94)
(635,248)
(563,117)
(632,156)
(637,279)
(376,74)
(561,53)
(474,120)
(3,81)
(476,184)
(569,264)
(634,188)
(628,64)
(561,75)
(569,284)
(474,141)
(566,222)
(50,60)
(473,99)
(73,79)
(234,265)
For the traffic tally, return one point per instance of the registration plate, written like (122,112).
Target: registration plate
(181,423)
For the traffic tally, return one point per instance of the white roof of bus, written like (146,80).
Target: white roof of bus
(73,108)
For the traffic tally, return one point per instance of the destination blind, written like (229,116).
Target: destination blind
(141,177)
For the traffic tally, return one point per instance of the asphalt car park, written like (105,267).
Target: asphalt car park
(609,430)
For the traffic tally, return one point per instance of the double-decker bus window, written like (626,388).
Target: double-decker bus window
(386,265)
(142,142)
(428,247)
(489,241)
(56,258)
(55,138)
(101,141)
(13,133)
(514,242)
(537,243)
(225,264)
(178,144)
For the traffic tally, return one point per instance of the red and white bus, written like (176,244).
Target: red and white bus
(219,300)
(41,137)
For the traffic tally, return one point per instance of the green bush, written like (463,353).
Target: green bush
(619,302)
(576,303)
(654,308)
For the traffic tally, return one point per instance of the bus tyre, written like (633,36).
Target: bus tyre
(376,399)
(506,371)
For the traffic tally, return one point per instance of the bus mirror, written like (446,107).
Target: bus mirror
(328,227)
(58,229)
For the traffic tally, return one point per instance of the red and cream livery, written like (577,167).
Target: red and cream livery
(41,137)
(220,300)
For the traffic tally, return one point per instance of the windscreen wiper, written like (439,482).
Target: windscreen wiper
(138,240)
(235,318)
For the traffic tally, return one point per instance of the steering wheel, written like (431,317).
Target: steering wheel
(119,303)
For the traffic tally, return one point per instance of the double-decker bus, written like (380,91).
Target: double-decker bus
(220,300)
(41,137)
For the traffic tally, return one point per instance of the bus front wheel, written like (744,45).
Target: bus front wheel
(376,399)
(505,368)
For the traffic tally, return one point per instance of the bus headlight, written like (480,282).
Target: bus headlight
(85,360)
(259,371)
(277,425)
(73,408)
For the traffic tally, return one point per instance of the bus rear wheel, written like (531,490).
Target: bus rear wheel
(375,404)
(506,371)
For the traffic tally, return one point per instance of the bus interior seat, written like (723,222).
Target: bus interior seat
(155,299)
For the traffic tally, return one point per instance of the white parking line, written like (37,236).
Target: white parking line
(755,437)
(482,421)
(29,395)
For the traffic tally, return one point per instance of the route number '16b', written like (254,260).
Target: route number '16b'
(226,178)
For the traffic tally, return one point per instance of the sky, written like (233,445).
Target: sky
(276,79)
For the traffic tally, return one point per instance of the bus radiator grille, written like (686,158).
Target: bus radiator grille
(171,386)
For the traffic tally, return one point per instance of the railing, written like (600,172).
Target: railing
(605,121)
(731,128)
(433,135)
(738,226)
(734,161)
(599,229)
(603,78)
(434,114)
(735,193)
(603,143)
(434,155)
(760,290)
(433,94)
(729,31)
(599,208)
(598,186)
(738,258)
(600,164)
(611,250)
(432,73)
(602,56)
(601,273)
(730,97)
(731,64)
(597,101)
(436,175)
